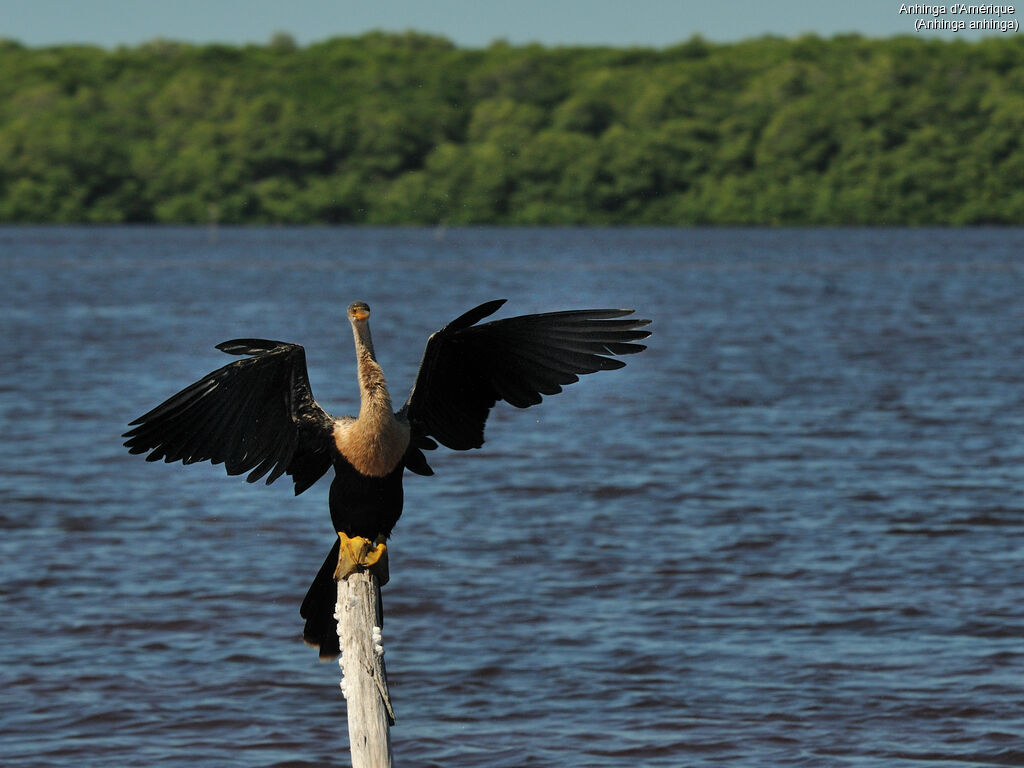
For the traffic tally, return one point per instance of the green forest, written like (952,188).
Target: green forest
(411,129)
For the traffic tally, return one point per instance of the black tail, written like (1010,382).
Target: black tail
(321,630)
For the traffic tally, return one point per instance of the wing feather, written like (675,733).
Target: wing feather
(256,415)
(467,368)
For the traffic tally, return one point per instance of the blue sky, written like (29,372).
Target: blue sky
(467,22)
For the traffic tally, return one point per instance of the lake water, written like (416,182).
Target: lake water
(789,533)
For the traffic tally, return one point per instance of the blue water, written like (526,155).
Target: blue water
(789,533)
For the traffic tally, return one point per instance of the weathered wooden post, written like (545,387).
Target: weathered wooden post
(364,679)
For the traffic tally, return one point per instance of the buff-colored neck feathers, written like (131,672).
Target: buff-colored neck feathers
(374,443)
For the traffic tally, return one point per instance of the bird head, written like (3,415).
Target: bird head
(358,311)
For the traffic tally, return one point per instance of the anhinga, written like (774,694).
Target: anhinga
(258,415)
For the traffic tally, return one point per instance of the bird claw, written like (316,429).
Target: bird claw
(358,552)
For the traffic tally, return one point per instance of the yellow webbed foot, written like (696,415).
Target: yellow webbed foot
(358,552)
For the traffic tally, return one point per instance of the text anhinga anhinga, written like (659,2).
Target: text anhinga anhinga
(258,415)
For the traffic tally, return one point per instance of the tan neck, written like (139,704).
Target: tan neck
(375,442)
(374,400)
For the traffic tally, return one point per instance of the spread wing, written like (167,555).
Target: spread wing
(467,368)
(255,415)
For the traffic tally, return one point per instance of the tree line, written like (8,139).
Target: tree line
(411,129)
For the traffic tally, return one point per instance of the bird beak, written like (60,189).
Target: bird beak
(360,314)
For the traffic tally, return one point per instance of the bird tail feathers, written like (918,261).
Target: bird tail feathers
(321,630)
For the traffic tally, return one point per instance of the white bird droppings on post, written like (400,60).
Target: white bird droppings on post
(378,643)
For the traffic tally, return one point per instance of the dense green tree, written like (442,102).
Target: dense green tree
(403,129)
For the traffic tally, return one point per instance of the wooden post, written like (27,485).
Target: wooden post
(363,677)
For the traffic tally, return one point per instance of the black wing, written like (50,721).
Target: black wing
(467,368)
(255,415)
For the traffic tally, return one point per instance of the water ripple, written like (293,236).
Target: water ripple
(788,534)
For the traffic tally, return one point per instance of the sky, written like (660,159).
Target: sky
(469,23)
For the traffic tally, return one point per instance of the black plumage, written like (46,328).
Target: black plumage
(255,415)
(258,416)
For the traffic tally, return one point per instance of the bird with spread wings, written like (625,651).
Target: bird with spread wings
(257,416)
